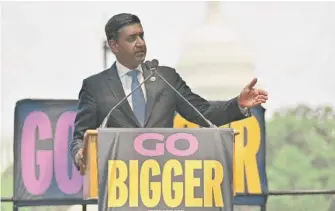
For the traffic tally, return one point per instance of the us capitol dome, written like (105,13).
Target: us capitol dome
(215,63)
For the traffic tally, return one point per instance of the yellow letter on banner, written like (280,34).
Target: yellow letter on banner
(212,186)
(191,182)
(245,155)
(133,183)
(180,122)
(168,186)
(146,185)
(115,183)
(245,161)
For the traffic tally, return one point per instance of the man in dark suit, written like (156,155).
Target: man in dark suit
(155,104)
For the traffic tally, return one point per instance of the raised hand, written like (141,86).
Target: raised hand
(251,97)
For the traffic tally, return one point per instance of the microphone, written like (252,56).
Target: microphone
(153,66)
(104,122)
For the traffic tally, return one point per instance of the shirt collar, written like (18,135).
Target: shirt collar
(122,70)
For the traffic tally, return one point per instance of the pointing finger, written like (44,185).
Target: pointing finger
(252,83)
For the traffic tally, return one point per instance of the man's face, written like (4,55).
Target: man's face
(130,47)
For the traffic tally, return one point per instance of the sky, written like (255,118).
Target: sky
(47,49)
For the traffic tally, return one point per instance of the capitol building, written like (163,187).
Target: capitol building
(215,63)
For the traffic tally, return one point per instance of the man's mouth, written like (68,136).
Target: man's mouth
(140,52)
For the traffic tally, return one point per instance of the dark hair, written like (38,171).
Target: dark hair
(118,21)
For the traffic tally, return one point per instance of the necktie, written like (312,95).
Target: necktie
(138,101)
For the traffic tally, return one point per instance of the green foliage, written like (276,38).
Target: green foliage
(7,188)
(7,191)
(301,156)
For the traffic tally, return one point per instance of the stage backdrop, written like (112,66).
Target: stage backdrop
(43,168)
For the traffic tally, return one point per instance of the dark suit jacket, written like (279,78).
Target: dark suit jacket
(100,92)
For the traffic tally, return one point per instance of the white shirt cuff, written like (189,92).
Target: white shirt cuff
(245,111)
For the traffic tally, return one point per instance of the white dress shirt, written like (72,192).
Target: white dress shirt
(126,80)
(126,83)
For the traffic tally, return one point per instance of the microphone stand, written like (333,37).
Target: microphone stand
(104,123)
(210,124)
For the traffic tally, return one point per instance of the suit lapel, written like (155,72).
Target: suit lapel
(151,89)
(115,85)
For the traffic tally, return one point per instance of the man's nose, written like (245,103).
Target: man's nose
(140,42)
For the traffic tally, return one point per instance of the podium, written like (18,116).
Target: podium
(90,170)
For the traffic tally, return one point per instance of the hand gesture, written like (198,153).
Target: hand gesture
(251,97)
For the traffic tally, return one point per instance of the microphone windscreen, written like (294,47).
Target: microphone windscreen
(151,65)
(154,63)
(148,65)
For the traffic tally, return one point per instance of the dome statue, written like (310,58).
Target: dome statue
(215,63)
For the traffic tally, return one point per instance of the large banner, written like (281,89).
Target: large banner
(44,170)
(249,157)
(165,169)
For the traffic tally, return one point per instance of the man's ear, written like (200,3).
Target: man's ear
(113,45)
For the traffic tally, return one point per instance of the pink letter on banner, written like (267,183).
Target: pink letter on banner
(65,183)
(36,185)
(138,144)
(191,139)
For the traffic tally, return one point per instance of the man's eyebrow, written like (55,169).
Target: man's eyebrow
(136,34)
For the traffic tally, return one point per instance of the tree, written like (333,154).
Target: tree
(301,155)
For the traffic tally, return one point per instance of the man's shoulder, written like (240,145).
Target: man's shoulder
(166,68)
(167,71)
(97,76)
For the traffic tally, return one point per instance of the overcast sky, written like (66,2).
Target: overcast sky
(48,48)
